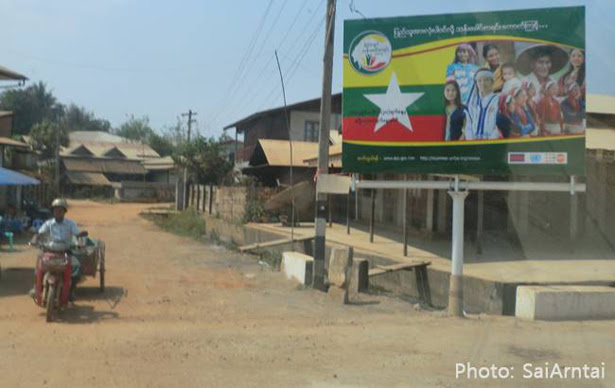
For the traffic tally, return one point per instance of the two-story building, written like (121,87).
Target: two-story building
(297,122)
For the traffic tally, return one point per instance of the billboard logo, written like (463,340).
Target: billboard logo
(370,52)
(537,158)
(516,157)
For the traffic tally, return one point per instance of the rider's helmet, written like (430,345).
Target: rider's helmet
(60,202)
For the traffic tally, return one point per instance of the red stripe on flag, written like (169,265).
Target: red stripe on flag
(424,128)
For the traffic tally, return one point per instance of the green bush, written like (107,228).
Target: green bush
(187,223)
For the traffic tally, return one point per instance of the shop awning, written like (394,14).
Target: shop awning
(13,178)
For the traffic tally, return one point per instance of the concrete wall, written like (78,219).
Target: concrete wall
(144,191)
(227,202)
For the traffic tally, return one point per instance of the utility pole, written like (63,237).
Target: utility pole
(185,178)
(57,156)
(323,150)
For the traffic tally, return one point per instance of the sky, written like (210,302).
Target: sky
(159,59)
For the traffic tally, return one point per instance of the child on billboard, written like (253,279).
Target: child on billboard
(456,112)
(462,70)
(483,108)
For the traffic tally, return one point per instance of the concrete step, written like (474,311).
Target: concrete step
(561,303)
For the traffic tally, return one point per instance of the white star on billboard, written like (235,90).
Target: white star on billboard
(393,105)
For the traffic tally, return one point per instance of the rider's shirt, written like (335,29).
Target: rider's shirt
(60,231)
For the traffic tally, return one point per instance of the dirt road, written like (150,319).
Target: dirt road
(178,313)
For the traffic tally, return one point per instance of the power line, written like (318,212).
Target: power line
(295,63)
(255,83)
(263,42)
(246,56)
(302,52)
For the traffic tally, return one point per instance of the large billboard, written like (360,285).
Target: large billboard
(478,93)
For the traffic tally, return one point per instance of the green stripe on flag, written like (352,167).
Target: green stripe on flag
(357,105)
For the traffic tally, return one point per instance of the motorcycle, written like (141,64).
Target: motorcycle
(52,284)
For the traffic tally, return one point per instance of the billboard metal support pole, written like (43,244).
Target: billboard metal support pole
(455,293)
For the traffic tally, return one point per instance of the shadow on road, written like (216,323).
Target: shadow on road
(16,281)
(112,295)
(81,314)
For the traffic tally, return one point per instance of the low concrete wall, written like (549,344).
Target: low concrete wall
(557,303)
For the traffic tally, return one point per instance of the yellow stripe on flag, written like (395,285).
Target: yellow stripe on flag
(421,69)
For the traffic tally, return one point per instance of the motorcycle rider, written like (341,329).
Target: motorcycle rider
(63,230)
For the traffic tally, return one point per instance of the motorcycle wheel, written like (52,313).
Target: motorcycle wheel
(51,297)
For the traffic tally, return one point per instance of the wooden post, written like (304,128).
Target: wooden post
(329,198)
(405,215)
(429,212)
(348,212)
(198,198)
(524,213)
(574,218)
(371,217)
(211,197)
(442,211)
(479,222)
(356,204)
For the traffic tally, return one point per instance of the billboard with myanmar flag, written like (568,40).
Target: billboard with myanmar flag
(479,93)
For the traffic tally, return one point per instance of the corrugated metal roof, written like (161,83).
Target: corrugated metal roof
(102,143)
(157,164)
(277,152)
(104,165)
(131,151)
(600,139)
(601,103)
(335,159)
(7,141)
(87,178)
(94,137)
(7,74)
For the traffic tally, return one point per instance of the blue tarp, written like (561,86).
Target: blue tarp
(13,178)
